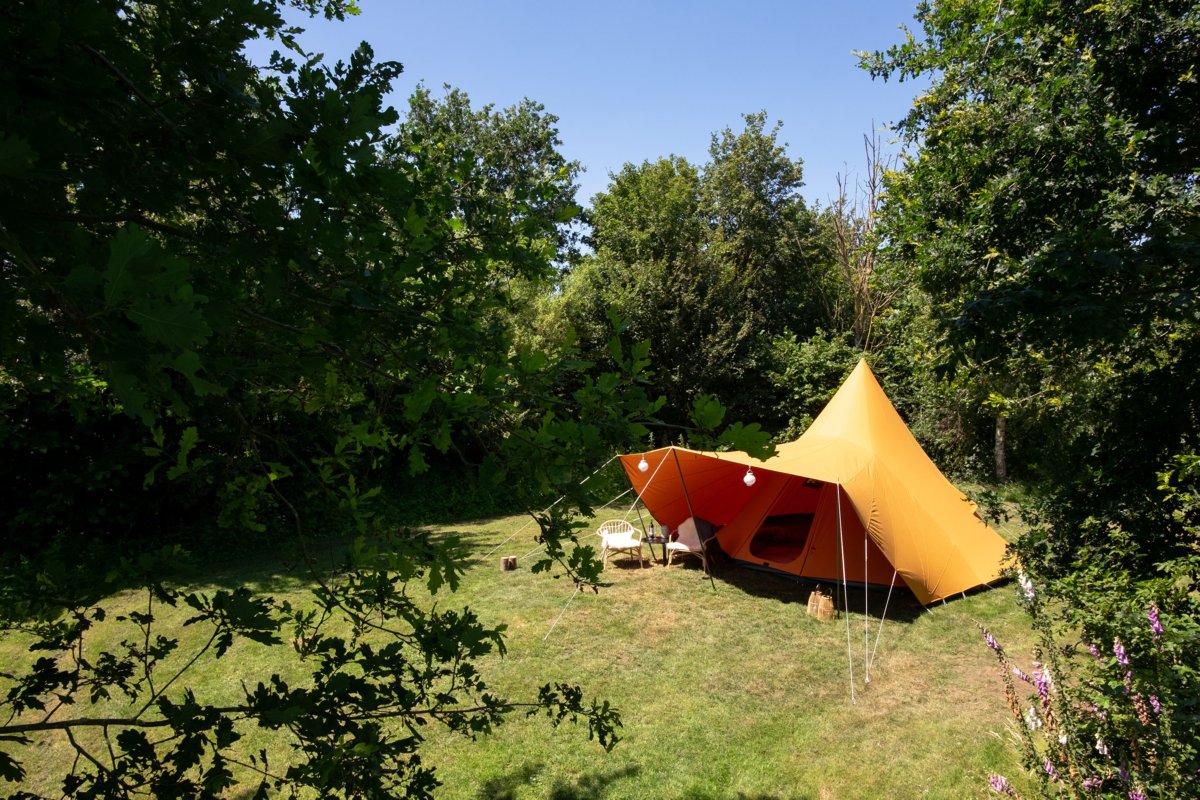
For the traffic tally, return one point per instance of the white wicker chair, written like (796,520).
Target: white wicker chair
(618,536)
(687,543)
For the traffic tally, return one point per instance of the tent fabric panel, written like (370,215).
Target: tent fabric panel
(924,525)
(713,485)
(800,496)
(822,558)
(735,536)
(933,539)
(823,459)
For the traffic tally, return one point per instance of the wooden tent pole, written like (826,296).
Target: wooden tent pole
(692,513)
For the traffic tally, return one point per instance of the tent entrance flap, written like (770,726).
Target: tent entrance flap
(781,538)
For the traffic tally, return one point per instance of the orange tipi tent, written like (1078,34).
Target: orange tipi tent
(858,471)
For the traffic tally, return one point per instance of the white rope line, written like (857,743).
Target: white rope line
(887,602)
(597,472)
(560,615)
(615,499)
(552,505)
(531,552)
(845,593)
(510,538)
(866,614)
(543,547)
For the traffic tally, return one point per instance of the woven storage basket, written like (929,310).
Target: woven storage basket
(820,605)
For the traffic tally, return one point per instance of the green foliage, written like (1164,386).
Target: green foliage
(1053,192)
(1114,696)
(1050,211)
(650,213)
(498,158)
(806,374)
(228,294)
(723,742)
(752,198)
(381,668)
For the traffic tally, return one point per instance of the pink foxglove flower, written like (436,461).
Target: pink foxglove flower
(1026,585)
(1155,626)
(1042,682)
(999,784)
(1119,652)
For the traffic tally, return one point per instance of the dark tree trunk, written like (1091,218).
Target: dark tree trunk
(1001,463)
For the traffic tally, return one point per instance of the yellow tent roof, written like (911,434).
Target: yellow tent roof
(926,527)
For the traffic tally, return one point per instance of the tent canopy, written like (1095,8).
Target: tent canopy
(855,497)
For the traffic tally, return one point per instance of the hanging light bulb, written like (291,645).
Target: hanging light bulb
(642,465)
(749,478)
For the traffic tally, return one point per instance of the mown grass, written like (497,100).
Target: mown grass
(727,690)
(732,691)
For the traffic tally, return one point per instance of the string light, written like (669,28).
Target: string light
(642,465)
(749,478)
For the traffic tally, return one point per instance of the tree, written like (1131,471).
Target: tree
(709,265)
(651,213)
(762,230)
(252,297)
(854,219)
(513,153)
(1050,209)
(652,270)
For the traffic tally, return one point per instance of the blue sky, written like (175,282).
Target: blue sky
(633,81)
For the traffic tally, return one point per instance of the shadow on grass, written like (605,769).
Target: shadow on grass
(589,786)
(504,787)
(290,566)
(630,563)
(901,607)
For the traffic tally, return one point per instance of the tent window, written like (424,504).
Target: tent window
(781,538)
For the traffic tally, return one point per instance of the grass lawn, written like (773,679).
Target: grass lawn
(727,690)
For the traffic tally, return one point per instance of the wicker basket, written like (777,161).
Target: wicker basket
(820,605)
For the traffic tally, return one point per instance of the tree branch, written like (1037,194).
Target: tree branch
(155,695)
(133,87)
(106,722)
(106,219)
(80,750)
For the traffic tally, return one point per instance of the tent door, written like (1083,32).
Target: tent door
(781,538)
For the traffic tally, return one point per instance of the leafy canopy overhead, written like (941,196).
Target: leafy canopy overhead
(1051,197)
(228,292)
